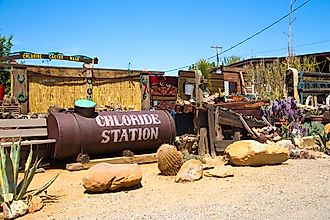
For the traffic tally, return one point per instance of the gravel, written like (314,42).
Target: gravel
(297,189)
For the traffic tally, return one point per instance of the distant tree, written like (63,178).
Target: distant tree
(230,60)
(5,48)
(205,67)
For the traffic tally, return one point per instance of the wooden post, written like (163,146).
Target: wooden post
(198,90)
(203,142)
(145,92)
(89,79)
(19,88)
(217,125)
(211,130)
(242,82)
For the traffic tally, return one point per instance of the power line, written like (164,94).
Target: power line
(249,38)
(284,48)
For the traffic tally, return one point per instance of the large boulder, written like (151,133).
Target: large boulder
(105,176)
(253,153)
(190,171)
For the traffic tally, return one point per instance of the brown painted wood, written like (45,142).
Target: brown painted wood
(139,159)
(211,131)
(232,119)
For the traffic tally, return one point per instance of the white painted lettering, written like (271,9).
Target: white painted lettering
(133,133)
(117,122)
(147,119)
(140,134)
(155,119)
(108,120)
(141,120)
(105,137)
(126,120)
(116,134)
(146,134)
(154,133)
(135,120)
(100,121)
(124,135)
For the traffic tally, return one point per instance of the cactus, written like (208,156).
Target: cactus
(10,188)
(169,160)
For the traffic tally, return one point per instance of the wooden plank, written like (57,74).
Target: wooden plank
(81,72)
(244,105)
(217,126)
(139,159)
(232,119)
(145,92)
(221,145)
(33,132)
(203,142)
(28,143)
(211,131)
(22,123)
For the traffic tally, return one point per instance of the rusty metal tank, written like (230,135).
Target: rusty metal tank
(109,132)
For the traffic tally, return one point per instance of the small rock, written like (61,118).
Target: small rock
(105,176)
(35,204)
(253,153)
(219,173)
(299,142)
(285,143)
(190,171)
(14,210)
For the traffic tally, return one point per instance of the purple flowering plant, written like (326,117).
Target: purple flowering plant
(287,109)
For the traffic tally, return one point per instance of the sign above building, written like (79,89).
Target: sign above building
(51,56)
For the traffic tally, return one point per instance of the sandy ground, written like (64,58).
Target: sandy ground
(297,189)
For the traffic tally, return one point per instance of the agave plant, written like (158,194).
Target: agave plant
(10,189)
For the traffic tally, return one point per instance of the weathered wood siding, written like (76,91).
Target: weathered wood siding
(45,91)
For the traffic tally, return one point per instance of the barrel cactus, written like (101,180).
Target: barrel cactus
(169,160)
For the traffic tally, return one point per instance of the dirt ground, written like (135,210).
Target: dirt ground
(297,189)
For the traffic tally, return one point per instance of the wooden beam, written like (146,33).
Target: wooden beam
(31,132)
(139,159)
(28,143)
(22,123)
(211,130)
(203,142)
(221,145)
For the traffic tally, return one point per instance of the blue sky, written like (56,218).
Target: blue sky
(162,34)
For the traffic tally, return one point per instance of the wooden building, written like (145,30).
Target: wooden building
(39,87)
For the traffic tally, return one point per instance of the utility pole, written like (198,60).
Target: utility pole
(217,51)
(289,33)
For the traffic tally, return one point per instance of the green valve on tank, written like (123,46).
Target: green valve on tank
(84,103)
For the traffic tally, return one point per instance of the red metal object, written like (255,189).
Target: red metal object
(109,132)
(2,91)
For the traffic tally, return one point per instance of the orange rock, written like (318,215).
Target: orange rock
(105,176)
(190,171)
(327,128)
(35,204)
(253,153)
